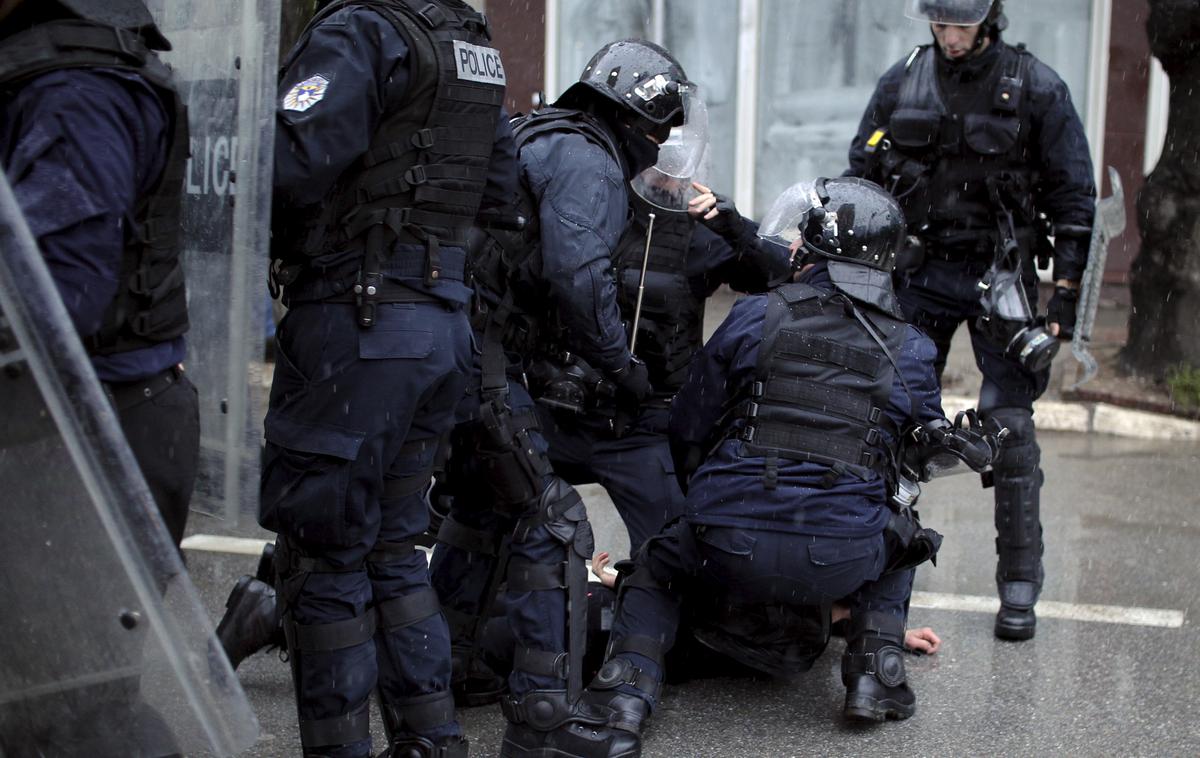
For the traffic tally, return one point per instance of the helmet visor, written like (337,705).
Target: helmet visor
(682,159)
(949,12)
(782,224)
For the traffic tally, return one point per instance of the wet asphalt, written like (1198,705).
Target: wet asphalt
(1122,524)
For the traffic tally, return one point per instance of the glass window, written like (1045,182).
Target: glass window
(819,61)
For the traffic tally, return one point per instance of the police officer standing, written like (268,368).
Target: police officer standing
(801,396)
(389,129)
(94,141)
(549,279)
(980,141)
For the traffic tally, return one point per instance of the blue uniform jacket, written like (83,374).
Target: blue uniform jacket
(81,147)
(1066,190)
(748,264)
(367,64)
(582,207)
(727,489)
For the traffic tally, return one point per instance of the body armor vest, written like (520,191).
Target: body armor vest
(671,326)
(946,160)
(151,302)
(822,383)
(422,177)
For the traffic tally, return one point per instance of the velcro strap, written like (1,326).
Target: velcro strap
(339,730)
(640,644)
(822,397)
(541,662)
(793,442)
(476,541)
(525,576)
(325,637)
(424,713)
(446,197)
(810,347)
(391,552)
(461,624)
(478,94)
(406,486)
(409,609)
(305,565)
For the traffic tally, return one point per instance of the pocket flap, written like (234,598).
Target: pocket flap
(911,127)
(833,553)
(732,541)
(990,135)
(319,439)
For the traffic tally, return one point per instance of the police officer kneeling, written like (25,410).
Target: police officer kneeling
(800,397)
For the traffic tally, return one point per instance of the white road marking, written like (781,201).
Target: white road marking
(214,543)
(1104,614)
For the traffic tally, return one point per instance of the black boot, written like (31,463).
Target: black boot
(249,623)
(606,725)
(413,746)
(873,670)
(1019,546)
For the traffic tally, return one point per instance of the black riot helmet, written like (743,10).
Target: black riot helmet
(122,14)
(988,14)
(643,80)
(853,224)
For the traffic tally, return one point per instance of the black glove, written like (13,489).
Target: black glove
(727,222)
(633,381)
(1061,310)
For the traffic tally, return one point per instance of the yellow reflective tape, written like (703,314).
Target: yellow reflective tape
(874,141)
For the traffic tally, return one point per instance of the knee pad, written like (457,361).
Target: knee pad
(1019,453)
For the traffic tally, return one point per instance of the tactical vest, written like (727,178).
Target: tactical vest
(822,383)
(949,158)
(151,303)
(671,325)
(422,177)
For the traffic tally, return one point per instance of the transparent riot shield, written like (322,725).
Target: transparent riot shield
(224,56)
(104,646)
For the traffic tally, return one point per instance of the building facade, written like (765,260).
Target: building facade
(787,81)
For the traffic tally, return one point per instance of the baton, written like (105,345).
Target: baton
(637,310)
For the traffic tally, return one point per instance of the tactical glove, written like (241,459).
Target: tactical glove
(1061,310)
(727,222)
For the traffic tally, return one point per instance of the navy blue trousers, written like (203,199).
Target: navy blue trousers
(755,566)
(351,409)
(636,470)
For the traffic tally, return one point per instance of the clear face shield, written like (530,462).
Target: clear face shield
(793,213)
(682,159)
(949,12)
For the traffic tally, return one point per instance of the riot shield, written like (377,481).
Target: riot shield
(104,646)
(224,56)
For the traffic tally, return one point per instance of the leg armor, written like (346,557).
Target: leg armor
(314,647)
(1018,481)
(495,465)
(873,669)
(547,586)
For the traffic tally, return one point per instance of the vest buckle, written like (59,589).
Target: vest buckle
(432,16)
(416,175)
(423,139)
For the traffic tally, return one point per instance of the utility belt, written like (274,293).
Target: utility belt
(125,395)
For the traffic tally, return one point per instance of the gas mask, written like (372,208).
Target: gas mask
(1008,320)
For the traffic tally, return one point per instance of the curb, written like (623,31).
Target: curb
(1096,418)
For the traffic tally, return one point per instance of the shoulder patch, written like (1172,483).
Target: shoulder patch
(305,94)
(476,63)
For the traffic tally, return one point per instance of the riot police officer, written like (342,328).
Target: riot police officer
(685,262)
(390,129)
(512,517)
(94,142)
(980,141)
(801,396)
